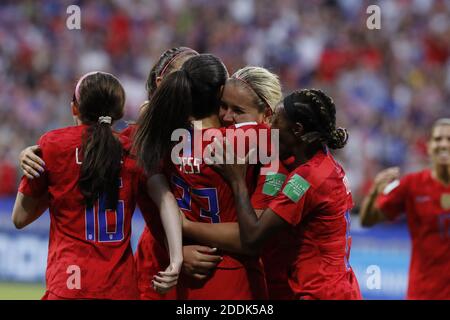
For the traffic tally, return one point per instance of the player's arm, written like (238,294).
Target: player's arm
(254,230)
(27,209)
(225,236)
(370,214)
(159,192)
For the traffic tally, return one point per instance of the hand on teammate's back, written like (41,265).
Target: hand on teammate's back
(30,163)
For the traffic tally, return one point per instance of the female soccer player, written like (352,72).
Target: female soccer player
(425,198)
(314,203)
(90,185)
(194,93)
(151,255)
(250,95)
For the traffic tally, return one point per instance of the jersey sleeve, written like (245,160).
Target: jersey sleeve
(291,202)
(38,186)
(268,187)
(393,198)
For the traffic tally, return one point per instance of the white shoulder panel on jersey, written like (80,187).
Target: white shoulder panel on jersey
(251,123)
(391,186)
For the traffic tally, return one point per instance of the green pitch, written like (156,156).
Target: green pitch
(21,291)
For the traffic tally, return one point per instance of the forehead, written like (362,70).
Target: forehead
(236,94)
(441,131)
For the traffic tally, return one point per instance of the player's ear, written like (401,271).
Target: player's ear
(268,113)
(221,91)
(75,111)
(158,81)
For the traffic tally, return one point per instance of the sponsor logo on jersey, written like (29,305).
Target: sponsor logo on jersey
(295,188)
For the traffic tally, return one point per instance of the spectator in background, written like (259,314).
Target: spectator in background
(8,177)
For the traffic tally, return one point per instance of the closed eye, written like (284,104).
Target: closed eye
(238,110)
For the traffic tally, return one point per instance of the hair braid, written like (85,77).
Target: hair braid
(164,62)
(316,111)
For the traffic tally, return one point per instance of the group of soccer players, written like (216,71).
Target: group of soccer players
(227,231)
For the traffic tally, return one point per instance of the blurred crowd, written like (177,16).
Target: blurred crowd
(389,85)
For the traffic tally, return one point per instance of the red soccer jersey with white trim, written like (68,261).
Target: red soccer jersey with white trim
(92,240)
(204,196)
(316,202)
(426,203)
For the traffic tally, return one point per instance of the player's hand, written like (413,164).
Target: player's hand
(167,279)
(233,167)
(199,261)
(31,165)
(385,177)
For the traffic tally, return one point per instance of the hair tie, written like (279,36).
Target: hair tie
(105,119)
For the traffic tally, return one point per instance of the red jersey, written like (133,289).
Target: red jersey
(316,202)
(89,247)
(204,196)
(426,203)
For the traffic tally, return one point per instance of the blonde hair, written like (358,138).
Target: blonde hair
(263,83)
(442,122)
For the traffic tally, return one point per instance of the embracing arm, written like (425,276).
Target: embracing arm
(254,230)
(160,193)
(225,235)
(27,209)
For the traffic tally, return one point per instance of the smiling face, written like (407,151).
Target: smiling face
(439,145)
(239,105)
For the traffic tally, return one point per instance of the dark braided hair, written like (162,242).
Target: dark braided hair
(317,113)
(165,65)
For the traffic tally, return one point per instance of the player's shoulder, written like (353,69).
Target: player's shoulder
(61,136)
(417,177)
(322,169)
(422,174)
(129,131)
